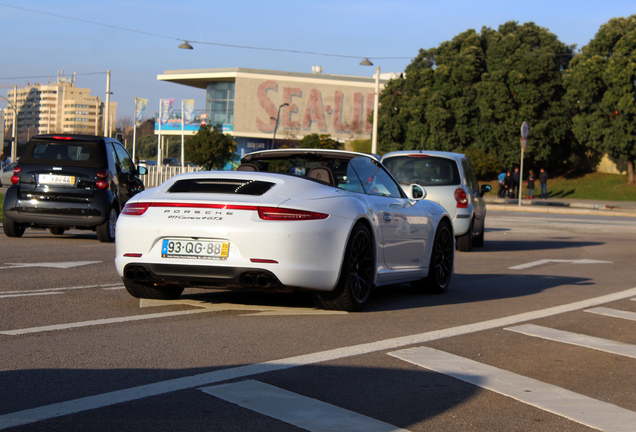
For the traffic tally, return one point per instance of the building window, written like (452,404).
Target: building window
(220,103)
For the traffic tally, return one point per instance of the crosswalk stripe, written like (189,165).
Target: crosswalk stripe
(615,313)
(576,407)
(606,345)
(301,411)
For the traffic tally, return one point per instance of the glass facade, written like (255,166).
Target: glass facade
(220,103)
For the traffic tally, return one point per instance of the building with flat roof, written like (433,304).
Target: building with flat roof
(57,108)
(255,106)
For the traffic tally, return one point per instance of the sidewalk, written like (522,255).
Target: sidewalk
(563,206)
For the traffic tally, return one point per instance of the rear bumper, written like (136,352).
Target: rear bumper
(47,213)
(203,276)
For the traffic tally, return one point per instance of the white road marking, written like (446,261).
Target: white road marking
(99,322)
(576,407)
(135,393)
(300,411)
(28,295)
(615,313)
(547,261)
(267,310)
(59,265)
(600,344)
(45,291)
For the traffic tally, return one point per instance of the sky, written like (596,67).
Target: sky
(138,40)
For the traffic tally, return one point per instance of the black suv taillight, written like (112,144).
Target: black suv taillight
(15,178)
(102,183)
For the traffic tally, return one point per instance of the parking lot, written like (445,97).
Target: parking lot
(536,332)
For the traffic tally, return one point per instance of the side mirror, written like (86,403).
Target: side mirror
(142,170)
(485,188)
(417,192)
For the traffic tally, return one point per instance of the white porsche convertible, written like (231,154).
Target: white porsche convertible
(331,222)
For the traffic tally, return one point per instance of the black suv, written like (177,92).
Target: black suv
(70,181)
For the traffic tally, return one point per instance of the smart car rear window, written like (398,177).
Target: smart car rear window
(228,186)
(71,153)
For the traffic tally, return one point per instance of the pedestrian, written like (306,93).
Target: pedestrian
(508,186)
(543,182)
(4,161)
(502,191)
(530,184)
(515,182)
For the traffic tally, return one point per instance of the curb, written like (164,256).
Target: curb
(555,207)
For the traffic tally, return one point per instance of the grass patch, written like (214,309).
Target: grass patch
(592,186)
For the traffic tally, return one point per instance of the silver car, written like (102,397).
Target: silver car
(449,179)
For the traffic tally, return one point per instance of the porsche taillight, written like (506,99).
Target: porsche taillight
(135,209)
(276,213)
(265,213)
(461,198)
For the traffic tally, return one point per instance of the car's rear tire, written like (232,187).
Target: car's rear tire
(11,228)
(56,230)
(465,242)
(478,240)
(440,267)
(356,276)
(168,292)
(106,231)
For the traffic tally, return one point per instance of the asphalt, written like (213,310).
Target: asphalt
(550,205)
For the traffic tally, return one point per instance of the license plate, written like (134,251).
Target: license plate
(56,179)
(195,249)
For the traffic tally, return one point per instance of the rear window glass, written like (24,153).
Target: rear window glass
(424,170)
(71,153)
(229,186)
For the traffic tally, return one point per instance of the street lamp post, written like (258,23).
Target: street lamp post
(276,127)
(376,102)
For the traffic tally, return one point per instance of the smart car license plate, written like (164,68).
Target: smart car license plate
(56,179)
(195,249)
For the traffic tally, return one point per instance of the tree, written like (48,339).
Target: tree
(601,88)
(475,91)
(210,148)
(319,141)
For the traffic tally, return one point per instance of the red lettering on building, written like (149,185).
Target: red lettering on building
(358,108)
(338,125)
(286,120)
(369,124)
(270,109)
(314,112)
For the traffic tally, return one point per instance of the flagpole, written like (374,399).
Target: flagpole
(134,130)
(182,136)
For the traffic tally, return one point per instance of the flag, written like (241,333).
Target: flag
(167,106)
(140,107)
(188,111)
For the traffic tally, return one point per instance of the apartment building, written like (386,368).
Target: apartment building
(58,107)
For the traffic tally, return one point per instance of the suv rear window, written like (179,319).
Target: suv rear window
(69,153)
(424,170)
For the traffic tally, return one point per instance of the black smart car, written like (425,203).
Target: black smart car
(70,181)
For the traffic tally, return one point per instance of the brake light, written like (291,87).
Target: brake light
(265,213)
(102,174)
(275,213)
(15,178)
(461,198)
(66,138)
(135,209)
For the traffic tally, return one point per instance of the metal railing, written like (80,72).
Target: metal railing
(159,174)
